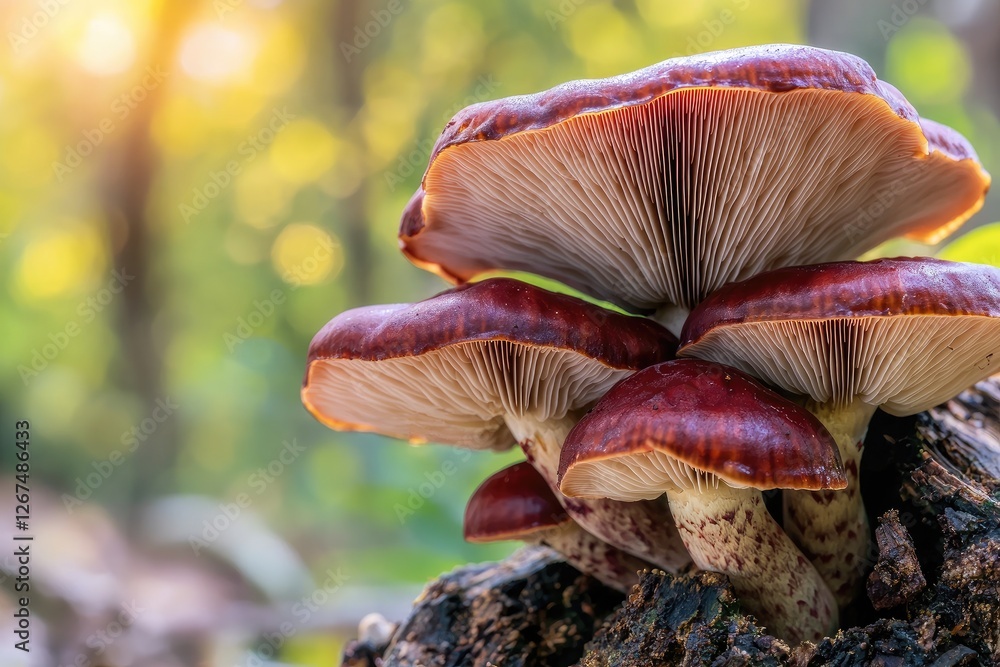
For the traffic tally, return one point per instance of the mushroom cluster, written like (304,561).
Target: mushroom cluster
(721,200)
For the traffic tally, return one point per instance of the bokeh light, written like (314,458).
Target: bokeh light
(215,53)
(256,195)
(928,63)
(303,151)
(60,261)
(107,46)
(304,254)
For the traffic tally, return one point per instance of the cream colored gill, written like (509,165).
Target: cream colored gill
(664,202)
(905,364)
(459,394)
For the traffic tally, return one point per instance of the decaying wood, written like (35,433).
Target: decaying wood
(897,577)
(682,620)
(934,584)
(531,609)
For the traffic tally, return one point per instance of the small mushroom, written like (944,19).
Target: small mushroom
(654,188)
(902,334)
(711,438)
(517,504)
(486,366)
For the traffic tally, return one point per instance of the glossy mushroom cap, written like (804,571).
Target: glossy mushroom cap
(513,504)
(661,185)
(451,368)
(905,334)
(693,424)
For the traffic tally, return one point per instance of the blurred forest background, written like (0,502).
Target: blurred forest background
(190,190)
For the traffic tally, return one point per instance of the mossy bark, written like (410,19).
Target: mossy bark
(933,580)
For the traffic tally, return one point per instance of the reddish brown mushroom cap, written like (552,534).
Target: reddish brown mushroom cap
(494,309)
(712,419)
(663,184)
(904,333)
(450,368)
(513,504)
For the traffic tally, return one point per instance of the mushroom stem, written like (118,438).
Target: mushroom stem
(643,529)
(612,567)
(831,527)
(730,531)
(671,317)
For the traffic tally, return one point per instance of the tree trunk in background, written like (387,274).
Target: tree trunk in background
(849,25)
(351,210)
(853,26)
(127,185)
(978,32)
(936,579)
(981,35)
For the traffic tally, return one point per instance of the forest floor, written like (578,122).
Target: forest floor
(932,599)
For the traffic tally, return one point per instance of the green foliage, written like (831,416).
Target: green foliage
(282,149)
(980,246)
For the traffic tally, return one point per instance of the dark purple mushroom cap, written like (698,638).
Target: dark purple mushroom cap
(905,334)
(692,424)
(513,504)
(451,368)
(659,186)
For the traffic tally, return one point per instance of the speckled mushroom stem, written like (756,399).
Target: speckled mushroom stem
(729,530)
(643,529)
(609,565)
(831,527)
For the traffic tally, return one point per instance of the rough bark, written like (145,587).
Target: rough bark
(682,620)
(897,577)
(531,609)
(934,584)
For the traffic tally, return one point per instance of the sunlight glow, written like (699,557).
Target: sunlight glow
(61,262)
(304,254)
(215,53)
(107,46)
(304,151)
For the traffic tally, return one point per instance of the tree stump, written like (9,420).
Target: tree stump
(933,583)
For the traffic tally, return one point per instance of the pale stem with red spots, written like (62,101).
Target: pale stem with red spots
(643,529)
(612,567)
(729,530)
(831,527)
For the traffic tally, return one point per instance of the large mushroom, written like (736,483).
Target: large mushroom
(517,504)
(485,366)
(711,438)
(662,185)
(902,334)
